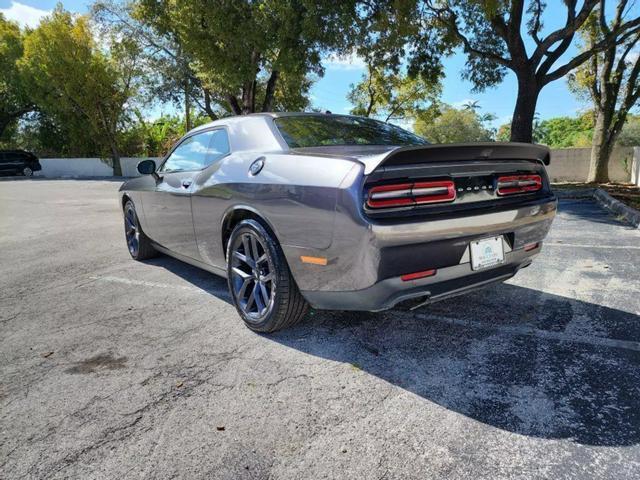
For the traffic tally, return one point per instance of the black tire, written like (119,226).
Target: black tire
(286,305)
(27,172)
(138,244)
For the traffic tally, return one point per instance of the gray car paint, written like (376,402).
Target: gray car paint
(311,200)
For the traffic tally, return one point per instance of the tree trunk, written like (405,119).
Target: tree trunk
(525,110)
(267,105)
(247,96)
(207,105)
(600,150)
(235,106)
(187,107)
(4,123)
(115,157)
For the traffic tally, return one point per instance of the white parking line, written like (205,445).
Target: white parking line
(506,329)
(535,332)
(144,283)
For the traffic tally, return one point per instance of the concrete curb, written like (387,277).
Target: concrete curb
(574,193)
(630,215)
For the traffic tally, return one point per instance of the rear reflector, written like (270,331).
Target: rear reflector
(530,246)
(407,194)
(417,275)
(512,184)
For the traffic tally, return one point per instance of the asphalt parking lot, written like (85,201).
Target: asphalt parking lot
(111,368)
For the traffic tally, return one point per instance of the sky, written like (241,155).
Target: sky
(329,93)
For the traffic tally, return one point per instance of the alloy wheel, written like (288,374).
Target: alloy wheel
(131,230)
(252,276)
(27,172)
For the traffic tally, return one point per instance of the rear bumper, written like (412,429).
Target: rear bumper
(366,260)
(448,282)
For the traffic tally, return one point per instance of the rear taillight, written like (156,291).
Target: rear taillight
(407,194)
(512,184)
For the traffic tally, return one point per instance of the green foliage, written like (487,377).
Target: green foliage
(14,99)
(78,83)
(155,138)
(564,132)
(453,126)
(504,133)
(573,132)
(242,49)
(630,135)
(389,95)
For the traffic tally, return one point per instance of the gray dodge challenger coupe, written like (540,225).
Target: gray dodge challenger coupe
(338,212)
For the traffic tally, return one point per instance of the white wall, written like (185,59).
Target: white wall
(572,164)
(129,165)
(86,167)
(74,167)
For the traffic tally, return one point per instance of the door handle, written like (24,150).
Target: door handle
(186,183)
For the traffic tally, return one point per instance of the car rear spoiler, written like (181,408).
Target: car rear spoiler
(467,151)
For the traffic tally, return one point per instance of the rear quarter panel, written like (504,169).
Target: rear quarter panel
(295,194)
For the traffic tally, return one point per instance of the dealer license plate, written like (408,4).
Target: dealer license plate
(486,253)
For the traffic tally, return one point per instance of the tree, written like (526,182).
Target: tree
(630,135)
(611,80)
(389,95)
(242,49)
(167,68)
(14,99)
(565,132)
(494,35)
(83,86)
(453,126)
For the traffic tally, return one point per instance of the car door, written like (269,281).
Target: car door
(167,208)
(9,162)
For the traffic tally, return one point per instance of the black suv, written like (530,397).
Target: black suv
(18,162)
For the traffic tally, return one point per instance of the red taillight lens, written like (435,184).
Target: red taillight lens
(406,194)
(512,184)
(418,275)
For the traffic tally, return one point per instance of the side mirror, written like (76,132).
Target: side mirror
(147,167)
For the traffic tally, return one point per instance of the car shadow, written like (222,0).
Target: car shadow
(518,359)
(199,278)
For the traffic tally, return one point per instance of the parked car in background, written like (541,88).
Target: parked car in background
(338,212)
(18,162)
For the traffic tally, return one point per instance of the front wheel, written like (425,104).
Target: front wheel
(27,172)
(261,286)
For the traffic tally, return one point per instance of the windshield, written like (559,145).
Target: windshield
(301,131)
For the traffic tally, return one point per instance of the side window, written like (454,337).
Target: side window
(219,145)
(197,152)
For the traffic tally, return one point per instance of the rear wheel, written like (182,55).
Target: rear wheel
(262,288)
(138,243)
